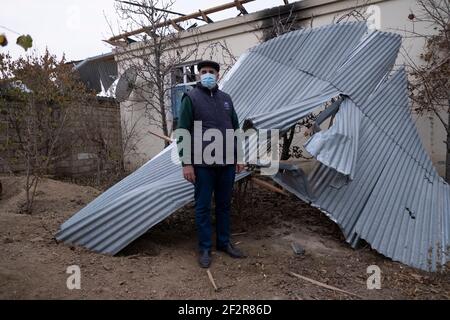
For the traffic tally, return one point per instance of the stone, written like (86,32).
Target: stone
(297,248)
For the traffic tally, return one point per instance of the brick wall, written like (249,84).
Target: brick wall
(91,143)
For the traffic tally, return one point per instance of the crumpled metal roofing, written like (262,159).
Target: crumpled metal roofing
(132,206)
(396,201)
(374,178)
(338,147)
(97,71)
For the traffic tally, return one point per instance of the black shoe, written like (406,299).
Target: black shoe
(205,259)
(232,251)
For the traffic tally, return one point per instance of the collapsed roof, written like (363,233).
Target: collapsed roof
(122,40)
(98,72)
(373,178)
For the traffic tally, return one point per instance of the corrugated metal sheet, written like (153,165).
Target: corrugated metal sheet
(374,55)
(376,181)
(396,201)
(289,69)
(393,177)
(129,208)
(97,71)
(338,147)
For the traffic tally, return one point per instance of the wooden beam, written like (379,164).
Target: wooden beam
(176,26)
(181,19)
(160,136)
(268,186)
(240,7)
(323,285)
(205,17)
(154,8)
(212,280)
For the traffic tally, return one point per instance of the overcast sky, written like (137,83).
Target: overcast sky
(77,27)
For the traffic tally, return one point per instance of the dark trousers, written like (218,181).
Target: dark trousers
(219,180)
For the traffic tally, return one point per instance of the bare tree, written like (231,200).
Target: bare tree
(430,81)
(157,53)
(220,49)
(130,137)
(283,23)
(38,97)
(356,13)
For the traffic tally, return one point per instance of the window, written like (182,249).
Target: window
(183,80)
(184,74)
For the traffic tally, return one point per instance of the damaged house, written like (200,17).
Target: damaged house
(241,33)
(371,175)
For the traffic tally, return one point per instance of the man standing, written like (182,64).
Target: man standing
(214,109)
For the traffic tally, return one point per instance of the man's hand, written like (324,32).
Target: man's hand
(239,168)
(188,173)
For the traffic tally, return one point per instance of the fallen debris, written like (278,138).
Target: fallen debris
(212,280)
(323,285)
(298,249)
(238,234)
(165,138)
(268,186)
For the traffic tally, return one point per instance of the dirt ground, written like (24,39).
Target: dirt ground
(162,264)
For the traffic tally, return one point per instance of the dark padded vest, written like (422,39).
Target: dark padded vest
(214,108)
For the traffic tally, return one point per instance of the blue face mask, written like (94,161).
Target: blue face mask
(208,80)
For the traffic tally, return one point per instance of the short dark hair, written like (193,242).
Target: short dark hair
(208,63)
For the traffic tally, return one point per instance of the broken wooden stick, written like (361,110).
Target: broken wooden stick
(212,280)
(160,136)
(268,186)
(320,284)
(238,234)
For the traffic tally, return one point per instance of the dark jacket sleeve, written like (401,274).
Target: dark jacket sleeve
(186,119)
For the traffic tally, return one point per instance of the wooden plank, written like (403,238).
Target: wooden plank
(205,17)
(240,7)
(161,136)
(323,285)
(212,280)
(268,186)
(176,26)
(181,19)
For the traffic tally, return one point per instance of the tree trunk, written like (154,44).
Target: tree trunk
(160,85)
(163,117)
(447,159)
